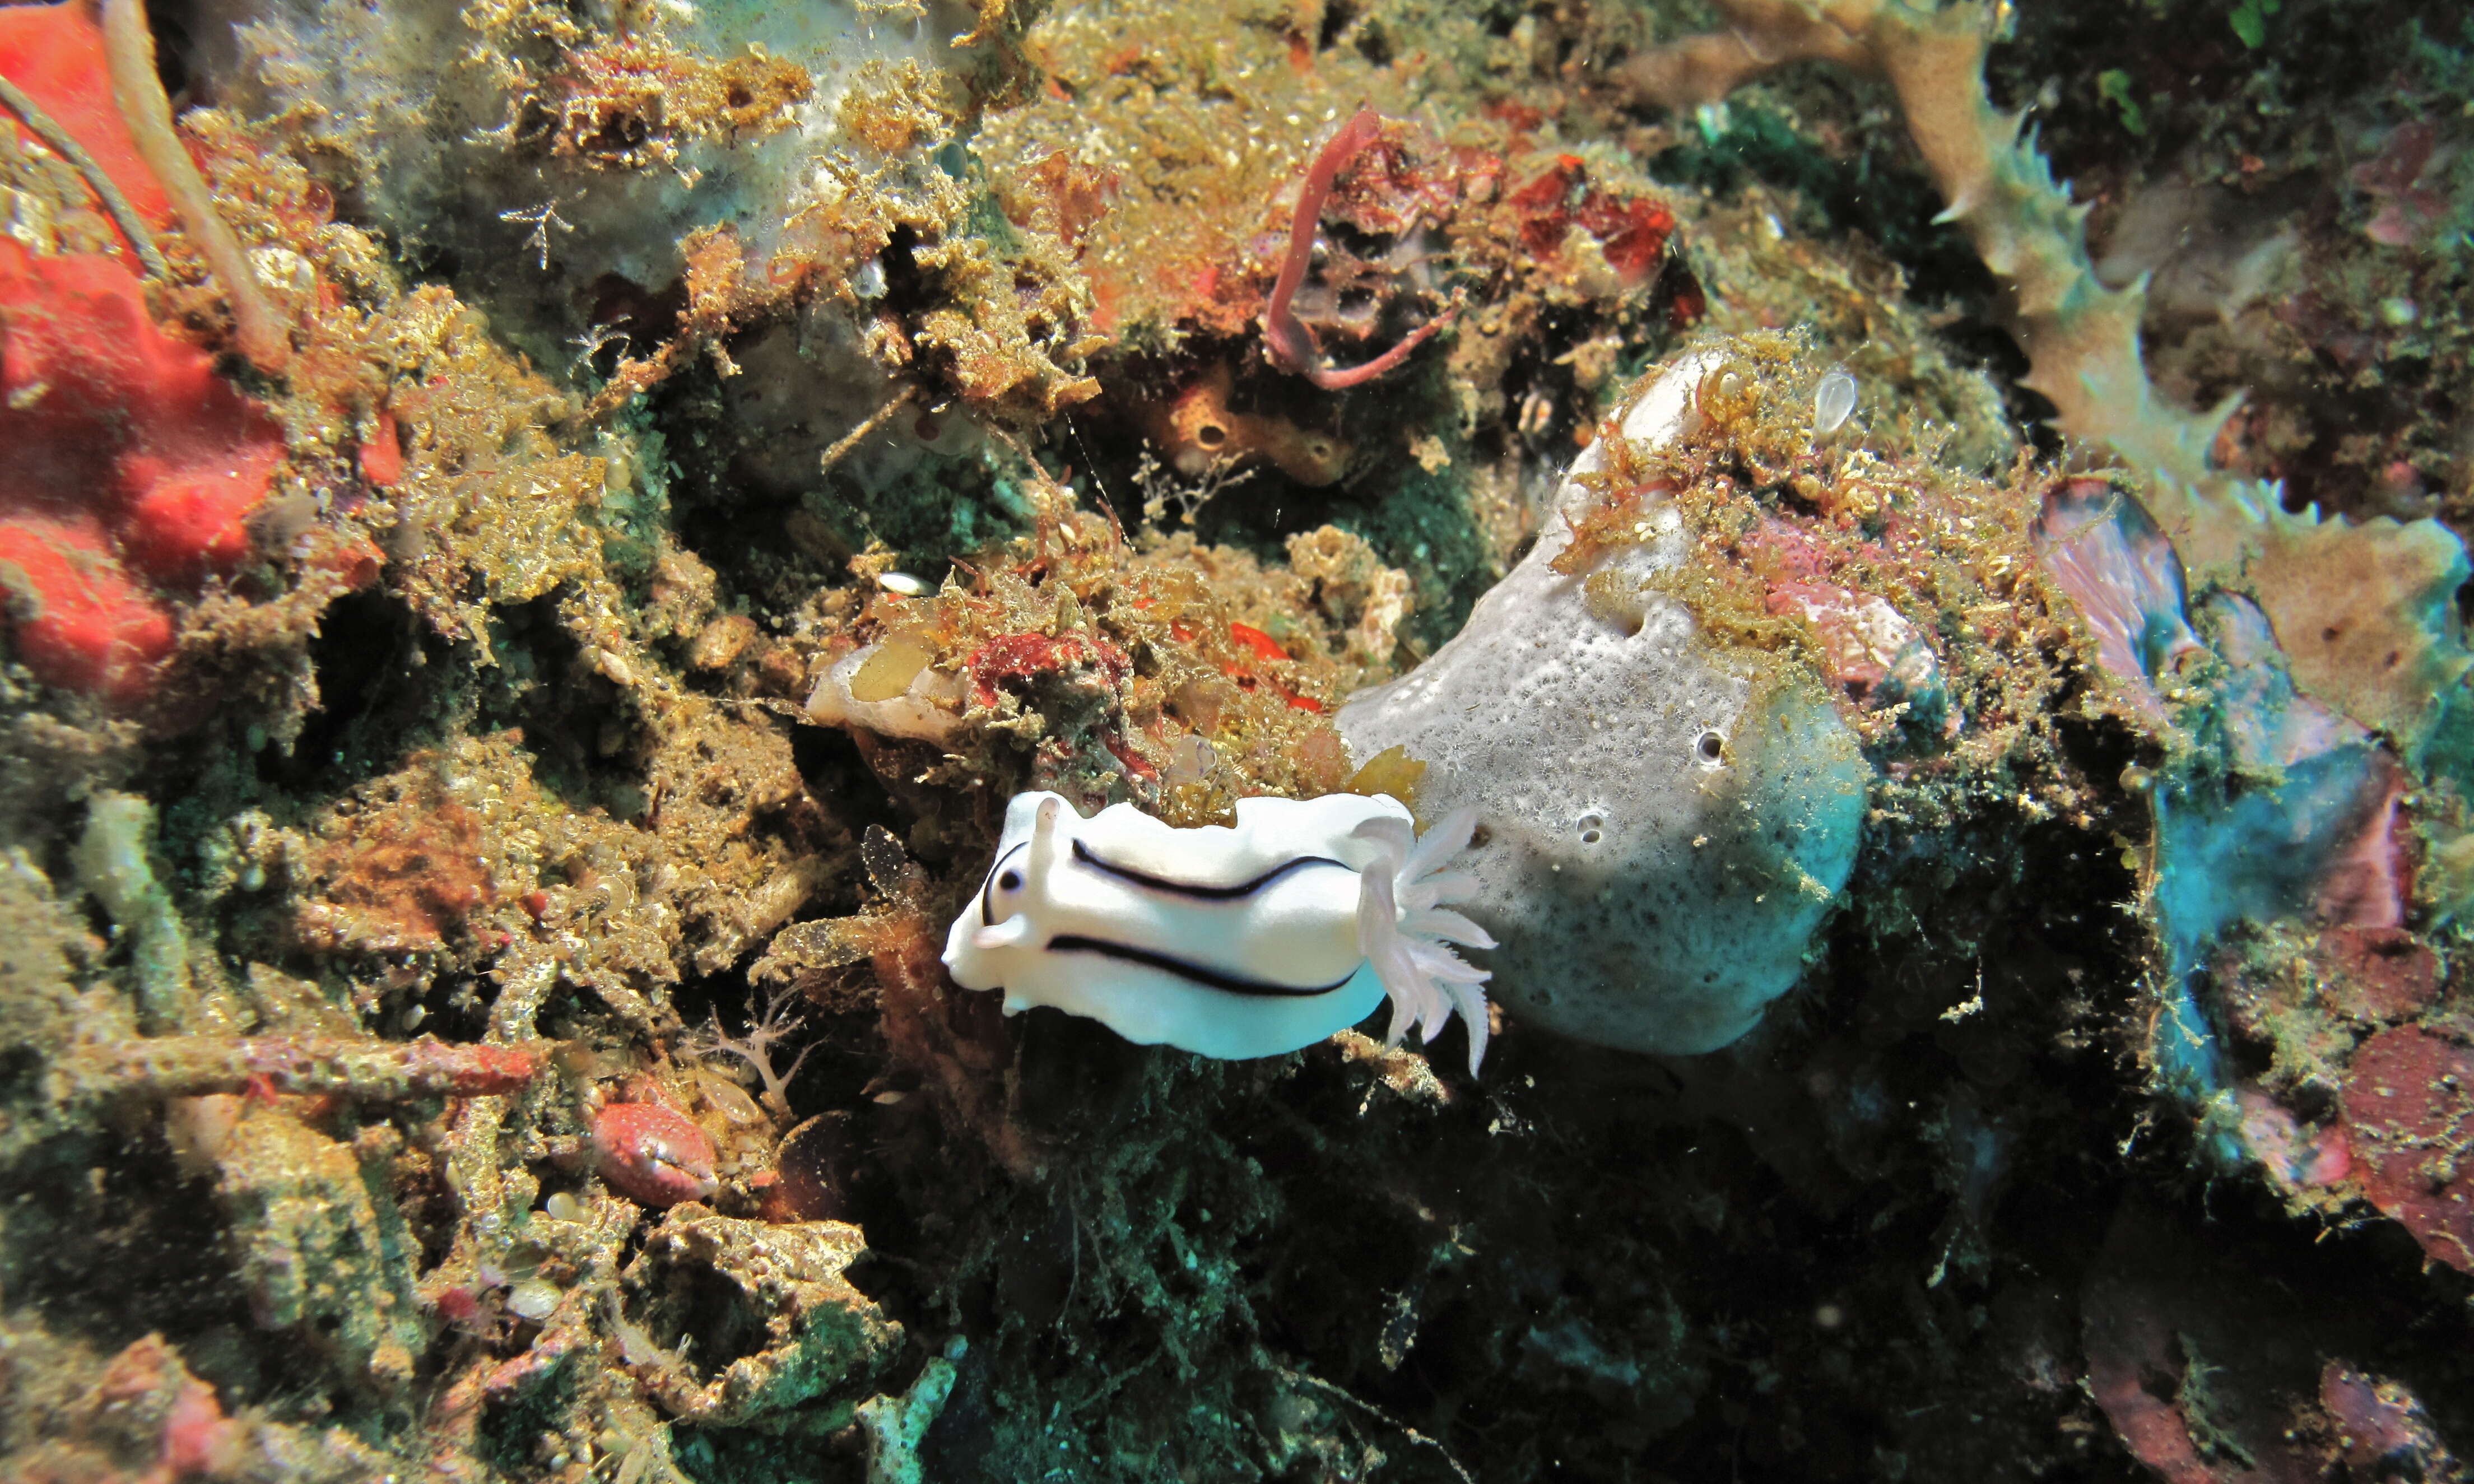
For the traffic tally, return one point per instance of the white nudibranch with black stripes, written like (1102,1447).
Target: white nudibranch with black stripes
(1244,941)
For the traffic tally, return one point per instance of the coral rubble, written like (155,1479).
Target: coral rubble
(540,540)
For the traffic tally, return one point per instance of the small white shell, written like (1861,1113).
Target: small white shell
(901,582)
(1834,401)
(533,1299)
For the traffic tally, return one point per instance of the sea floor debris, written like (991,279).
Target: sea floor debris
(538,542)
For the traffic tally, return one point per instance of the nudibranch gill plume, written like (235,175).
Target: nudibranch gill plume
(1249,940)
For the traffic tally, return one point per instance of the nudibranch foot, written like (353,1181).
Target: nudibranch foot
(1249,940)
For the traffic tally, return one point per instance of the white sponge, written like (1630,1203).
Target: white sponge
(1665,819)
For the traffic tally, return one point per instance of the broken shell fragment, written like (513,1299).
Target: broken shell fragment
(926,707)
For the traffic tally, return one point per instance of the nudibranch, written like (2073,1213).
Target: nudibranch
(1244,941)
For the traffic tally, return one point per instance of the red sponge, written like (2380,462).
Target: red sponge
(55,54)
(80,621)
(130,462)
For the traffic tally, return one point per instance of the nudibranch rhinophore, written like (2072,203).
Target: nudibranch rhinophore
(1244,941)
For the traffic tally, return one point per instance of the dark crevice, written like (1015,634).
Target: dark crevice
(365,658)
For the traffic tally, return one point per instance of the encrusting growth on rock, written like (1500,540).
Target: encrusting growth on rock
(1291,344)
(2082,339)
(137,92)
(706,506)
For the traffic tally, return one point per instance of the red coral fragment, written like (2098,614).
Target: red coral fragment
(130,461)
(1264,646)
(2408,1108)
(1020,657)
(382,455)
(1545,205)
(1631,233)
(1135,763)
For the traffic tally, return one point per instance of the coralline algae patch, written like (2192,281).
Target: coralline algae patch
(2345,1074)
(2409,1112)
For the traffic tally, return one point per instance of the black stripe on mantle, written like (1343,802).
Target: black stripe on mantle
(1209,979)
(1237,892)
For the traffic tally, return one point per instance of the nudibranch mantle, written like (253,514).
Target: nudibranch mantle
(1232,942)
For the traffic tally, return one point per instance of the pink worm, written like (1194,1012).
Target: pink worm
(1292,344)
